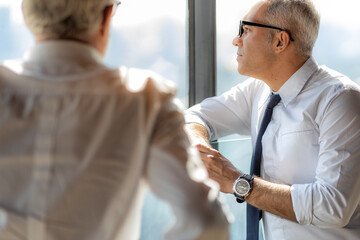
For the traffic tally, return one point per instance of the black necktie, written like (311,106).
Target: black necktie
(254,214)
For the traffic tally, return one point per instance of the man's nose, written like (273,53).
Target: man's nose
(237,41)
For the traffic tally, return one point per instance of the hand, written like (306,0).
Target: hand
(219,168)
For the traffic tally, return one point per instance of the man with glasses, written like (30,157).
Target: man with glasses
(304,120)
(80,142)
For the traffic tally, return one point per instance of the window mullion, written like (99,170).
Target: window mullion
(201,29)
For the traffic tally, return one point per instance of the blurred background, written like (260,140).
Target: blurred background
(153,35)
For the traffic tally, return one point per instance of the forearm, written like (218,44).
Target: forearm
(197,134)
(267,196)
(273,198)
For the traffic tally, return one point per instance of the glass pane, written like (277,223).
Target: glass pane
(15,37)
(228,13)
(337,47)
(338,43)
(151,35)
(238,150)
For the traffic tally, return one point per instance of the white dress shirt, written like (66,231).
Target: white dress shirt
(79,142)
(312,143)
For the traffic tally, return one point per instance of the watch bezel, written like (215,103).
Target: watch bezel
(241,197)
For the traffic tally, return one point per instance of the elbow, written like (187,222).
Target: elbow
(332,209)
(323,205)
(332,222)
(333,215)
(341,222)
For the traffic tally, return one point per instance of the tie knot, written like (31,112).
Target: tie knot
(274,100)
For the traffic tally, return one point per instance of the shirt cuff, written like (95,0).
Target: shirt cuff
(190,118)
(301,196)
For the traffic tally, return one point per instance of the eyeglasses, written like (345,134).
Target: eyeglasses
(242,23)
(115,6)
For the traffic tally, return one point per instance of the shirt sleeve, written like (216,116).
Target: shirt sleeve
(332,199)
(226,114)
(176,174)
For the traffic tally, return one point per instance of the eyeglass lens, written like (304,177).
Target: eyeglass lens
(241,30)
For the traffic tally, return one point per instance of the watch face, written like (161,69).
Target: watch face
(242,187)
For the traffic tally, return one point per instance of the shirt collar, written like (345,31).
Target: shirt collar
(61,57)
(297,81)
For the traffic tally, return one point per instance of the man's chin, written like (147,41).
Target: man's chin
(241,71)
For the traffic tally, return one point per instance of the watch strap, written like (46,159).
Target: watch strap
(239,199)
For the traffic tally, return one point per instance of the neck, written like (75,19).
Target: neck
(95,41)
(282,71)
(38,40)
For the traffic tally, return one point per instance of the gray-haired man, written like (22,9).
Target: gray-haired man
(79,141)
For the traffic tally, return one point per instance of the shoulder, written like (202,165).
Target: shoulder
(138,80)
(327,83)
(335,81)
(9,72)
(11,67)
(333,89)
(157,91)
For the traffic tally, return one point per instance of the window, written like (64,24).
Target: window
(151,35)
(15,37)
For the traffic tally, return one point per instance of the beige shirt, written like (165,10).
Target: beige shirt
(79,143)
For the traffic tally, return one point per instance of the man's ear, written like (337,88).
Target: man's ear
(106,19)
(281,41)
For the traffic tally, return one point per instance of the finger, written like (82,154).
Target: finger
(202,148)
(206,149)
(206,157)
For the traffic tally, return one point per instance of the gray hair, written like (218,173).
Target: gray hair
(64,18)
(300,18)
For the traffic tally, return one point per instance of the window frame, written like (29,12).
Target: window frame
(201,52)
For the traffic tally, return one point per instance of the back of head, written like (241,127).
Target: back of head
(300,18)
(76,19)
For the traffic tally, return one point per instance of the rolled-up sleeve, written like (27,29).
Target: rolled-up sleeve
(332,200)
(226,114)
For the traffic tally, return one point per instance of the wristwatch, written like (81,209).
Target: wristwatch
(242,187)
